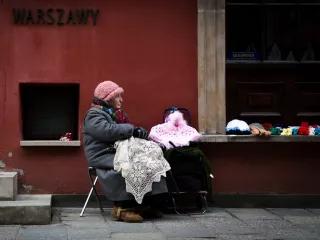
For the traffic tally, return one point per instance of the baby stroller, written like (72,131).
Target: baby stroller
(189,180)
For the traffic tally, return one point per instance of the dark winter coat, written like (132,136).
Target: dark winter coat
(100,132)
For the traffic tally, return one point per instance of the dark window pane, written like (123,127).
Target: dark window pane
(243,24)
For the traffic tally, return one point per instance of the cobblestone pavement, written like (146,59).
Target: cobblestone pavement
(217,223)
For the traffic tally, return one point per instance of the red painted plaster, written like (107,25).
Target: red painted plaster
(150,49)
(282,168)
(147,47)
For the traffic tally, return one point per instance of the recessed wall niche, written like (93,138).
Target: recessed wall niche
(48,111)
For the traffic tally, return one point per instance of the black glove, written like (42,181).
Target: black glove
(140,132)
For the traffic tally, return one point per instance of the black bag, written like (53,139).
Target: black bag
(190,169)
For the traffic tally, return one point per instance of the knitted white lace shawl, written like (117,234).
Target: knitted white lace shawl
(141,163)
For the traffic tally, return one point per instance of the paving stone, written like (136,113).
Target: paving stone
(304,220)
(226,226)
(78,210)
(214,213)
(297,216)
(242,237)
(85,234)
(8,232)
(217,224)
(279,229)
(96,218)
(92,218)
(315,211)
(88,211)
(290,212)
(186,238)
(138,236)
(48,232)
(78,218)
(123,227)
(183,228)
(314,228)
(86,224)
(176,217)
(86,215)
(252,213)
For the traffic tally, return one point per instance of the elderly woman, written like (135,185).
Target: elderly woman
(105,124)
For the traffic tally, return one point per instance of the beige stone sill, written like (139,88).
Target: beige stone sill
(49,143)
(247,138)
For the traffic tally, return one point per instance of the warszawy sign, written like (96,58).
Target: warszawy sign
(55,16)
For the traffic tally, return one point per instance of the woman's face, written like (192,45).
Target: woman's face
(116,102)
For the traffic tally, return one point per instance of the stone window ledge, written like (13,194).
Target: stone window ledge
(48,143)
(247,138)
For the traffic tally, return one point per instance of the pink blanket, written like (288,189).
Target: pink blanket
(174,130)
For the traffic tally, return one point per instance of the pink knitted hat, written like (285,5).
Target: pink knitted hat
(107,90)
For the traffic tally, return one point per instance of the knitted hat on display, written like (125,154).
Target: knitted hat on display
(238,127)
(107,90)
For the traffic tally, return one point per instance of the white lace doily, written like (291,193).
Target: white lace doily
(141,163)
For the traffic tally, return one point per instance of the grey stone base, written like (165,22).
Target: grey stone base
(26,209)
(8,185)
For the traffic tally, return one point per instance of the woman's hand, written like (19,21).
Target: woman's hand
(140,132)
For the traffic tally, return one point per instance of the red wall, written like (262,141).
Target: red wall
(282,168)
(147,47)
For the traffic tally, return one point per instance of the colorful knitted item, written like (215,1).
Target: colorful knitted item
(238,127)
(286,132)
(317,131)
(267,126)
(121,116)
(118,115)
(304,129)
(294,130)
(311,131)
(275,130)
